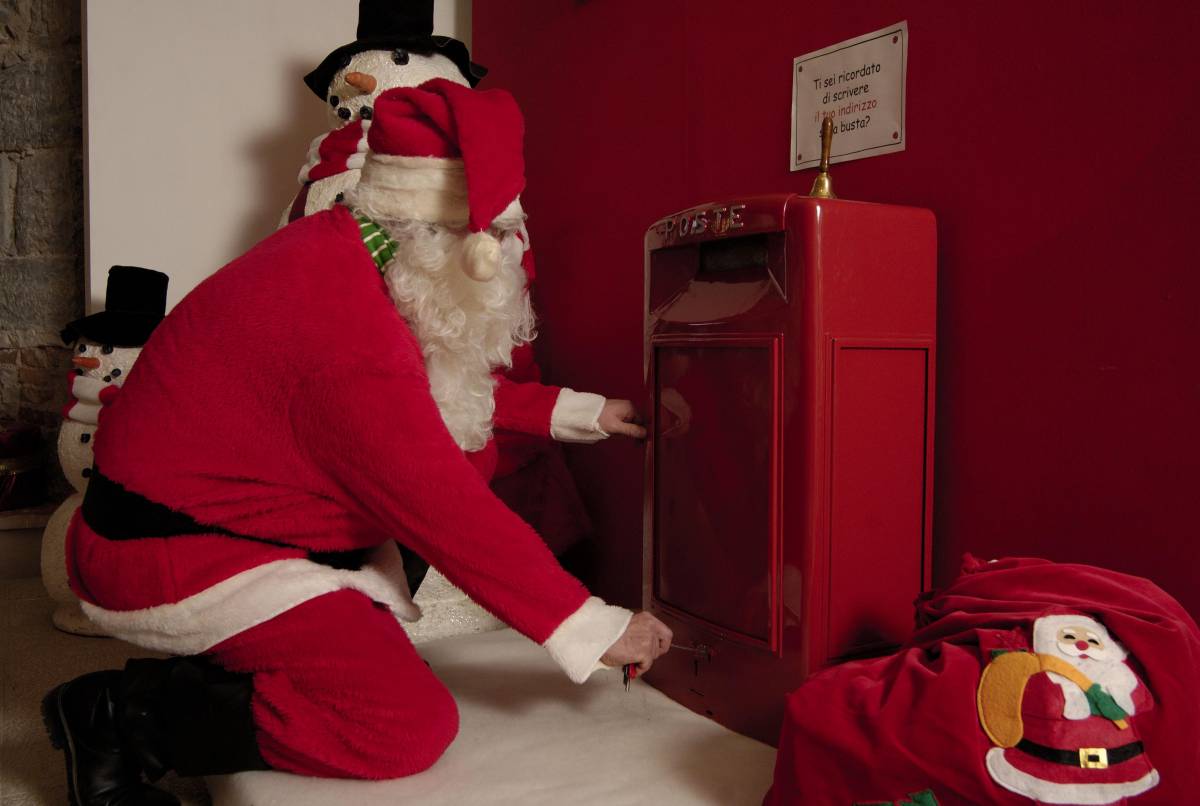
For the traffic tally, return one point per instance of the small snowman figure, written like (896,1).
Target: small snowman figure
(395,48)
(104,348)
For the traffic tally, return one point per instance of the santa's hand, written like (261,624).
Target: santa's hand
(620,417)
(644,640)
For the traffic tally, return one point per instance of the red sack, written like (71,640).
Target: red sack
(1090,697)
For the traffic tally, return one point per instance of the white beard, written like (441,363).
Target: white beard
(1111,671)
(466,329)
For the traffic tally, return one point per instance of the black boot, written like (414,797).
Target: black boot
(185,714)
(189,715)
(82,718)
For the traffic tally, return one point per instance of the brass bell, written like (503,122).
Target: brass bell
(822,187)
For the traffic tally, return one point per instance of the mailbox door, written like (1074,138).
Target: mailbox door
(715,480)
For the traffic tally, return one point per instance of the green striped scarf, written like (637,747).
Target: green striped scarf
(379,244)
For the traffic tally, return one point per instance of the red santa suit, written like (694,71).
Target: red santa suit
(280,413)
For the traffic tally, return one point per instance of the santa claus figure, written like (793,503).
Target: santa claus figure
(1064,715)
(244,517)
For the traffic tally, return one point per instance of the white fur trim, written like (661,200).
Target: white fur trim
(576,417)
(203,620)
(481,256)
(1023,783)
(512,219)
(577,644)
(428,189)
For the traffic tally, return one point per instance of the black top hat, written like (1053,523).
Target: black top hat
(390,24)
(135,301)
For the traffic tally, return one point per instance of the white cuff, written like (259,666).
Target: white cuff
(577,644)
(576,417)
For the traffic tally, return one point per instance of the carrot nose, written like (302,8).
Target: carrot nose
(363,82)
(86,363)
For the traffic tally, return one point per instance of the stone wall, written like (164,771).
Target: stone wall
(41,204)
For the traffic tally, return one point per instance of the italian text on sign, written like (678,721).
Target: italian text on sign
(860,84)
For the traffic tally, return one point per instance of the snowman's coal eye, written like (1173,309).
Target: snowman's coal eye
(344,113)
(334,100)
(83,348)
(107,349)
(116,373)
(400,56)
(366,112)
(108,379)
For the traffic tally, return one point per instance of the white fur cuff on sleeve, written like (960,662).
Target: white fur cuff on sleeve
(576,417)
(577,644)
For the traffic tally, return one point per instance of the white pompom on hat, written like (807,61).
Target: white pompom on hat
(449,155)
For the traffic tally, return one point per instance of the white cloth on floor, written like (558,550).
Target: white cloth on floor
(530,736)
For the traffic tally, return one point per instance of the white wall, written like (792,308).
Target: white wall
(197,122)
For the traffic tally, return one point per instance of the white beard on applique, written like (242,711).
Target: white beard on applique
(467,329)
(1085,644)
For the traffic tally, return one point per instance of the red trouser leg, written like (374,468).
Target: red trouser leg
(340,692)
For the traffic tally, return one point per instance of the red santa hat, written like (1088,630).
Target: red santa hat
(448,155)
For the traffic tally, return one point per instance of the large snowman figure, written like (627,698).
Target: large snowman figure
(104,348)
(395,48)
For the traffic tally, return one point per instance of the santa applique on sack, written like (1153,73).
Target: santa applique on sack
(1063,717)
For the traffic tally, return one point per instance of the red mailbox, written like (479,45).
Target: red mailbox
(789,378)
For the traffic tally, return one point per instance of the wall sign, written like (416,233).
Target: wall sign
(860,84)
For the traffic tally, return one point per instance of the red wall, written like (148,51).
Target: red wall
(1054,141)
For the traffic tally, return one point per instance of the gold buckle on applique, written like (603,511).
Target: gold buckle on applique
(1093,758)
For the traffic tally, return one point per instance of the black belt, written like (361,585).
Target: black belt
(1085,757)
(116,513)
